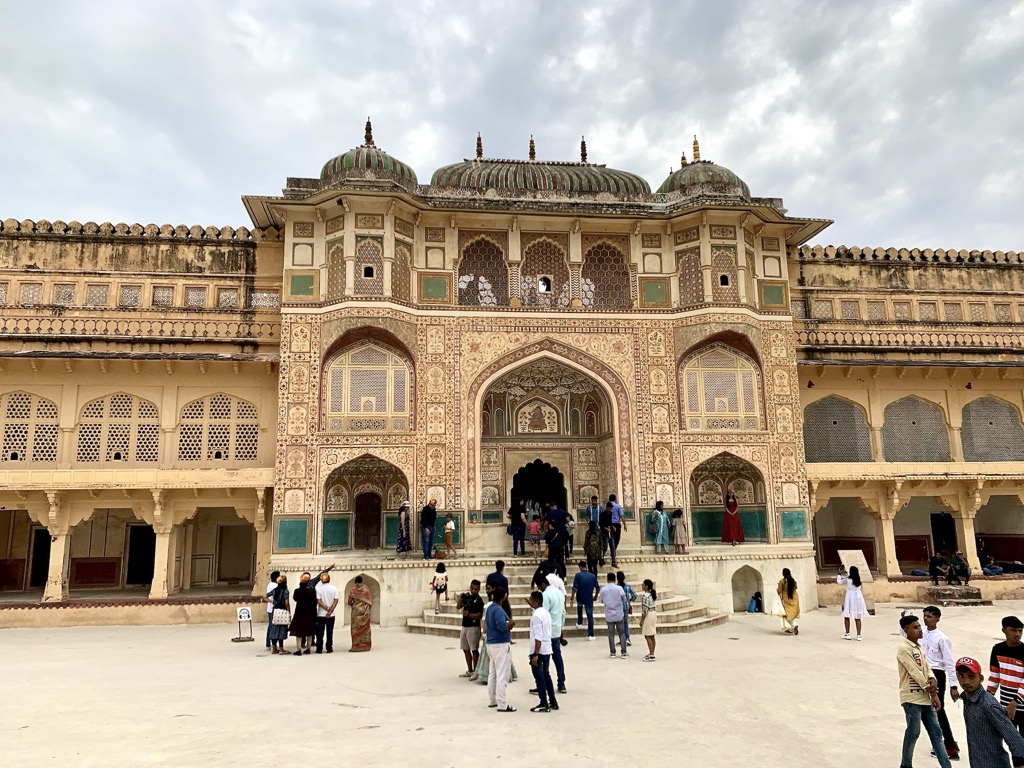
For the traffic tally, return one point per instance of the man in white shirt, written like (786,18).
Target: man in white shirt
(326,602)
(271,586)
(554,604)
(613,597)
(938,650)
(540,653)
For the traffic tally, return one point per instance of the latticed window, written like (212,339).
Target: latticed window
(96,295)
(545,278)
(724,287)
(915,430)
(131,296)
(3,293)
(368,389)
(836,430)
(30,293)
(119,428)
(227,298)
(30,428)
(483,275)
(401,273)
(64,294)
(369,277)
(218,428)
(163,295)
(991,431)
(605,279)
(195,296)
(264,299)
(719,392)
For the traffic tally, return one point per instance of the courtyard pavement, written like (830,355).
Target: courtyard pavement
(739,694)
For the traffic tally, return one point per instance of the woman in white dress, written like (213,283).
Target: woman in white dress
(854,606)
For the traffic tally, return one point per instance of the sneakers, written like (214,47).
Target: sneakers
(648,657)
(629,642)
(859,638)
(612,656)
(846,636)
(950,755)
(625,655)
(466,674)
(579,626)
(591,637)
(561,689)
(533,691)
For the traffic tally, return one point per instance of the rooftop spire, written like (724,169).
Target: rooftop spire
(479,147)
(533,149)
(368,136)
(682,161)
(696,149)
(583,149)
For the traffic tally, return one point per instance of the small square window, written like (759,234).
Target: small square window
(64,294)
(723,280)
(227,298)
(195,296)
(368,272)
(131,296)
(163,295)
(30,294)
(97,295)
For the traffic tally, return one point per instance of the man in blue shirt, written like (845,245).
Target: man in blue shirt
(499,651)
(584,592)
(594,511)
(618,526)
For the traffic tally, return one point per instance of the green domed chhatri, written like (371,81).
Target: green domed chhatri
(533,176)
(366,162)
(711,178)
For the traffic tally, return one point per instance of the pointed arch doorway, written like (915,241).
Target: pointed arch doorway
(539,482)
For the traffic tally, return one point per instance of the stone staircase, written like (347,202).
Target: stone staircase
(676,613)
(945,596)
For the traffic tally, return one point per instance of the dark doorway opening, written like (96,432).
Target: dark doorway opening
(944,532)
(367,522)
(40,568)
(539,482)
(141,553)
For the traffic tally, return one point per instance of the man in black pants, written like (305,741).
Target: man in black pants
(939,651)
(428,520)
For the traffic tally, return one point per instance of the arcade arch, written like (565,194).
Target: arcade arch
(709,482)
(361,500)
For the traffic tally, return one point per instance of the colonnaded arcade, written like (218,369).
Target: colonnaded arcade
(185,408)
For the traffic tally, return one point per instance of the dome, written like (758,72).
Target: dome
(366,162)
(538,176)
(704,176)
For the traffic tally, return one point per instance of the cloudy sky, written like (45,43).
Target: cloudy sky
(900,120)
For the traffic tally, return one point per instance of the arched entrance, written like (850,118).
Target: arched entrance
(367,521)
(538,483)
(547,433)
(361,500)
(709,482)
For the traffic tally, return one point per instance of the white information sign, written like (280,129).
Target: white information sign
(245,614)
(855,557)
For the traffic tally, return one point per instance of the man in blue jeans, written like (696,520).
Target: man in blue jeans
(584,592)
(540,653)
(428,520)
(918,694)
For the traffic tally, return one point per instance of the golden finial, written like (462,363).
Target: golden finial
(583,149)
(368,137)
(696,150)
(533,149)
(479,147)
(682,161)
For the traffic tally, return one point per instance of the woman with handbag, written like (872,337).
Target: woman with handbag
(280,617)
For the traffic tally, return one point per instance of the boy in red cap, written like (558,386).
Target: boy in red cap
(987,724)
(1006,671)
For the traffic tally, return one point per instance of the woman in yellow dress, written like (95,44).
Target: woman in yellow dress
(790,602)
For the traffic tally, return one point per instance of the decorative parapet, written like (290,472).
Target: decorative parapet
(163,231)
(904,340)
(908,255)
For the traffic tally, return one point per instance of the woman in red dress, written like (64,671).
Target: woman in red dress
(732,529)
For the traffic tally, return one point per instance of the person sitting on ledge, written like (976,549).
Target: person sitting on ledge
(959,569)
(989,567)
(938,566)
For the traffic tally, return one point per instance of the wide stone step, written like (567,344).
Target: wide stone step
(670,615)
(692,624)
(521,608)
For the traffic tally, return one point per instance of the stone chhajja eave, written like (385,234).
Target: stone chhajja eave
(122,230)
(224,357)
(885,256)
(128,478)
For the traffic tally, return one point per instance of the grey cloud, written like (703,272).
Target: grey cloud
(896,119)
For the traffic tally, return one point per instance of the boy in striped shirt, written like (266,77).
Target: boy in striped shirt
(1006,671)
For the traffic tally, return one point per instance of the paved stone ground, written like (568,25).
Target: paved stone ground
(739,694)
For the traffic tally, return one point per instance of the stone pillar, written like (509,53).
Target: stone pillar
(60,566)
(877,452)
(163,564)
(188,536)
(888,564)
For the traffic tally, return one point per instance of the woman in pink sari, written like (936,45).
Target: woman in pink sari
(732,529)
(361,602)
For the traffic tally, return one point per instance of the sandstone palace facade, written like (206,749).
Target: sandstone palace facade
(184,408)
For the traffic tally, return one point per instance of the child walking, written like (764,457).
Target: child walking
(449,535)
(534,529)
(439,586)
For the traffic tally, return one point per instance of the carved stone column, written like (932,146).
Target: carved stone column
(59,574)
